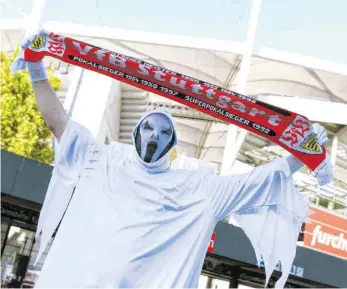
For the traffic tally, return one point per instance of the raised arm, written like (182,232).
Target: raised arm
(47,101)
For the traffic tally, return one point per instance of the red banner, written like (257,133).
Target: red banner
(326,233)
(285,128)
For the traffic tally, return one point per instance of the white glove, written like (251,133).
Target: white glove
(36,69)
(322,136)
(19,63)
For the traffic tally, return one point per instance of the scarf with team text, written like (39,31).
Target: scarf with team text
(290,130)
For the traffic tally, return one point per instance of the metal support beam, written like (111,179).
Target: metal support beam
(233,145)
(70,101)
(71,95)
(230,151)
(234,281)
(203,139)
(4,242)
(335,143)
(340,133)
(89,109)
(247,54)
(35,19)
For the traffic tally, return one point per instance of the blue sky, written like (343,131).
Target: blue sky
(309,27)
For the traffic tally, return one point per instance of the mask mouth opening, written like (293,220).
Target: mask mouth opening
(151,148)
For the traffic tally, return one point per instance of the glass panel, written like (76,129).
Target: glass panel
(19,242)
(202,281)
(220,284)
(4,226)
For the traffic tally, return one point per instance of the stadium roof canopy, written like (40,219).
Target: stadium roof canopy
(312,87)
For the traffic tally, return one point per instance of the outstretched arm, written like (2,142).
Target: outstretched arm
(322,139)
(267,206)
(47,101)
(261,187)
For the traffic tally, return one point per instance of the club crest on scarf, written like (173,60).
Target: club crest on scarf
(300,137)
(154,137)
(39,42)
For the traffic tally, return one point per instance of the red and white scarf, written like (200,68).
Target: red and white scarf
(290,130)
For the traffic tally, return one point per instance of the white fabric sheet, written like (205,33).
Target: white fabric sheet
(127,227)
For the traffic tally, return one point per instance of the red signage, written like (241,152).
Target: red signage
(212,243)
(326,233)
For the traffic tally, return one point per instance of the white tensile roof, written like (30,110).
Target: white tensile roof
(312,87)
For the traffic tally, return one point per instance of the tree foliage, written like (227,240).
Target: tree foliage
(23,130)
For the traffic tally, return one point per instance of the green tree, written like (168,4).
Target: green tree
(23,130)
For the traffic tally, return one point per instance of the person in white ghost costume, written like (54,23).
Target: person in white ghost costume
(127,219)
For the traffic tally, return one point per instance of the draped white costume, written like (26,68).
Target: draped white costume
(134,224)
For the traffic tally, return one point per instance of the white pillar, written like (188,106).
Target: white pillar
(334,145)
(91,99)
(331,205)
(113,111)
(247,54)
(35,19)
(75,81)
(70,99)
(231,150)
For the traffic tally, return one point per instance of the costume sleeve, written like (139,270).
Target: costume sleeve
(72,151)
(267,206)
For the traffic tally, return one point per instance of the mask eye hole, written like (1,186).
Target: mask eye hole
(167,131)
(147,126)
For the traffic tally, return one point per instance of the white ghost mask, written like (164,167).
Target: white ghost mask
(154,136)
